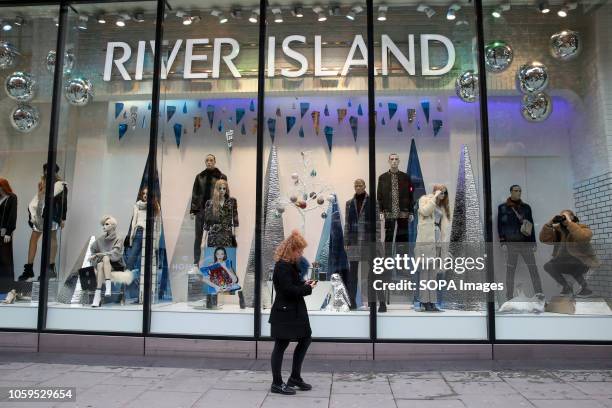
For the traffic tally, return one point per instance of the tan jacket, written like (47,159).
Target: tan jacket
(426,235)
(577,241)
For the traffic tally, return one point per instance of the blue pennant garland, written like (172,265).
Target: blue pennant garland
(382,122)
(185,107)
(425,106)
(272,128)
(252,106)
(123,127)
(199,104)
(326,110)
(149,107)
(354,126)
(329,136)
(170,111)
(210,112)
(301,132)
(399,126)
(220,127)
(392,109)
(290,123)
(243,130)
(178,131)
(304,106)
(359,110)
(437,126)
(350,103)
(118,109)
(239,114)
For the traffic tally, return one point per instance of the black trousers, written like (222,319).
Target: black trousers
(199,233)
(525,252)
(572,266)
(298,358)
(351,278)
(401,235)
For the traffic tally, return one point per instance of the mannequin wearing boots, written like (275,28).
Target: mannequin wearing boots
(107,256)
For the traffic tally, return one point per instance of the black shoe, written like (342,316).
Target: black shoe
(585,292)
(52,274)
(427,307)
(299,384)
(567,291)
(434,308)
(282,389)
(382,308)
(28,272)
(241,299)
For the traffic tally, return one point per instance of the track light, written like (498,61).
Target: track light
(56,21)
(7,26)
(236,13)
(496,12)
(562,12)
(139,17)
(544,7)
(298,11)
(254,18)
(120,22)
(382,13)
(452,10)
(567,7)
(278,15)
(101,19)
(219,15)
(423,8)
(19,21)
(319,12)
(82,23)
(353,13)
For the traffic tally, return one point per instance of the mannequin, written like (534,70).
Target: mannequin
(8,221)
(514,243)
(395,201)
(432,238)
(106,256)
(134,241)
(36,214)
(221,223)
(203,186)
(358,230)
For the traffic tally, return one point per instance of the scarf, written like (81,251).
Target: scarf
(514,204)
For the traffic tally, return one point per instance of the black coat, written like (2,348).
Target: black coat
(289,316)
(8,214)
(203,187)
(509,225)
(383,192)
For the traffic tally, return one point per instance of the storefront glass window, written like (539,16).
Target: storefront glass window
(549,86)
(27,42)
(102,156)
(428,163)
(316,159)
(207,170)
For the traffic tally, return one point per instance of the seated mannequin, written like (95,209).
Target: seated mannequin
(106,257)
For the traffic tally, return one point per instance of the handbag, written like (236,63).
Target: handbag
(88,279)
(526,225)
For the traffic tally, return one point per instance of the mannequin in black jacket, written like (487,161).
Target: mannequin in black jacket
(203,186)
(8,221)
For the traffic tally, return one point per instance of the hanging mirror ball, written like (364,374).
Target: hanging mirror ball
(565,45)
(532,77)
(8,55)
(68,62)
(498,56)
(78,91)
(20,86)
(466,86)
(536,107)
(25,118)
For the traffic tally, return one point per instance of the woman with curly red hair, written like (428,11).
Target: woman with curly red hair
(289,316)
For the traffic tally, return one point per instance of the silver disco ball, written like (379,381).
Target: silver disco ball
(25,118)
(565,45)
(69,60)
(79,91)
(532,77)
(536,107)
(466,86)
(20,86)
(498,56)
(8,55)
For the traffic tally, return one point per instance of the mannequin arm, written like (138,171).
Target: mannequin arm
(427,205)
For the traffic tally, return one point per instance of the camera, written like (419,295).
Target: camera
(558,219)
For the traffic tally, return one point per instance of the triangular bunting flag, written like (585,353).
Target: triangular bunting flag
(178,131)
(425,106)
(399,126)
(354,126)
(329,136)
(437,126)
(359,110)
(170,111)
(392,109)
(272,128)
(326,111)
(239,114)
(123,127)
(210,112)
(118,109)
(185,107)
(301,132)
(290,123)
(304,106)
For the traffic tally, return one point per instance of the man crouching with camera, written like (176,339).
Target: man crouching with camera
(572,255)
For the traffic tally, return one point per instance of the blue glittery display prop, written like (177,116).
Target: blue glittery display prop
(178,132)
(272,128)
(359,110)
(326,111)
(399,126)
(354,121)
(123,127)
(301,132)
(239,114)
(425,106)
(210,112)
(252,106)
(243,130)
(304,106)
(170,111)
(118,109)
(437,126)
(329,136)
(392,109)
(185,107)
(290,122)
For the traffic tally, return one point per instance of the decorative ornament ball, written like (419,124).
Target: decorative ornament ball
(302,204)
(323,215)
(466,86)
(565,45)
(536,107)
(68,61)
(304,196)
(313,173)
(277,214)
(331,198)
(20,86)
(8,55)
(295,176)
(79,91)
(293,198)
(25,118)
(498,56)
(532,77)
(320,200)
(280,209)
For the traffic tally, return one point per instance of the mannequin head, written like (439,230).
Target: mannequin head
(360,186)
(442,199)
(220,254)
(394,162)
(143,195)
(211,161)
(5,187)
(515,192)
(221,193)
(109,224)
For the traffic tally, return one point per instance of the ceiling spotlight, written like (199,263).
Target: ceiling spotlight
(19,21)
(460,23)
(423,8)
(354,11)
(497,12)
(139,17)
(382,13)
(56,21)
(278,15)
(120,22)
(82,24)
(298,11)
(101,19)
(219,15)
(319,12)
(7,26)
(187,20)
(562,12)
(544,7)
(452,10)
(254,16)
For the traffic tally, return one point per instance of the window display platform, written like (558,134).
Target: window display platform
(108,318)
(553,326)
(20,315)
(352,325)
